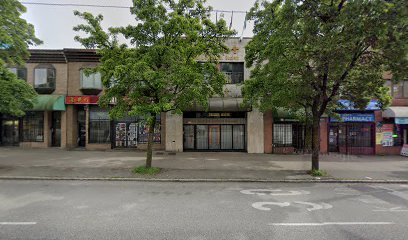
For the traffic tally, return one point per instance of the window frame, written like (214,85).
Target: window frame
(37,116)
(17,69)
(81,79)
(99,121)
(230,79)
(50,78)
(403,93)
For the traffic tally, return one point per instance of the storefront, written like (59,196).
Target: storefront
(214,131)
(131,132)
(392,130)
(352,133)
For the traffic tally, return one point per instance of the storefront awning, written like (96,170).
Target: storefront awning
(223,105)
(49,103)
(393,112)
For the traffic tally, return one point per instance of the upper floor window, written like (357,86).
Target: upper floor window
(44,79)
(399,89)
(233,70)
(90,80)
(20,72)
(91,83)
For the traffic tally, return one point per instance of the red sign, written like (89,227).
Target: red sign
(81,99)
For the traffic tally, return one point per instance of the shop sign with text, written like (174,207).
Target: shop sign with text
(354,117)
(81,99)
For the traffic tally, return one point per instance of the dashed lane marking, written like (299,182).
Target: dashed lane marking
(18,223)
(329,223)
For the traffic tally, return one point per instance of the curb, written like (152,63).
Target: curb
(206,180)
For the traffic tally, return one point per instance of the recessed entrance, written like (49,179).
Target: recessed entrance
(9,131)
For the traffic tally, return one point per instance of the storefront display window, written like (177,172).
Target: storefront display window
(99,125)
(33,127)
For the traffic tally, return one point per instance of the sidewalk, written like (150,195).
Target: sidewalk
(118,164)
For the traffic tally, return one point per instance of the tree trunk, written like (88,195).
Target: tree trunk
(308,136)
(315,143)
(151,124)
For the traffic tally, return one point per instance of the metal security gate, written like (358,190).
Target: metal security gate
(352,138)
(288,138)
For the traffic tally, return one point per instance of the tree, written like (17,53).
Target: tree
(310,54)
(16,35)
(157,71)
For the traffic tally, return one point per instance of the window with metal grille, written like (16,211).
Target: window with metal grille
(282,135)
(33,127)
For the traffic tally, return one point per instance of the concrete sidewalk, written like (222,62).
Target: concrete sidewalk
(118,164)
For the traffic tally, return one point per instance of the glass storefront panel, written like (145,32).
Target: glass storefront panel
(239,137)
(202,137)
(226,136)
(189,136)
(214,138)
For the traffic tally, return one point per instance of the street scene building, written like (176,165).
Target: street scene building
(66,115)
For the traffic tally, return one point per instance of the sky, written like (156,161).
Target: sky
(53,24)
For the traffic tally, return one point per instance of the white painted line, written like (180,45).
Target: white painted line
(368,178)
(330,223)
(18,223)
(261,205)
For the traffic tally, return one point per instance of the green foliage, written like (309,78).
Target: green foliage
(309,54)
(306,55)
(15,37)
(15,33)
(146,171)
(318,173)
(15,94)
(157,71)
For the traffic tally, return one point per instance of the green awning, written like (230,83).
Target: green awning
(49,103)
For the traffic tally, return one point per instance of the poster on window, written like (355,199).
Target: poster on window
(120,136)
(387,135)
(144,133)
(404,150)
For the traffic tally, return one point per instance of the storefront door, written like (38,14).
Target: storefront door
(81,128)
(9,132)
(334,139)
(56,129)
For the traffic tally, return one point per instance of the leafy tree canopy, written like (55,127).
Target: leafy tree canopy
(158,70)
(15,37)
(310,54)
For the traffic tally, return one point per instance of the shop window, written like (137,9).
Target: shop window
(21,73)
(282,135)
(99,126)
(233,71)
(44,79)
(33,127)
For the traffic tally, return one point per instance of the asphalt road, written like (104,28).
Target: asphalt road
(198,211)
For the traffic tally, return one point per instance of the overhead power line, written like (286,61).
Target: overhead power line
(108,6)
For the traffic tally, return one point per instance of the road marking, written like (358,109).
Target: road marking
(273,192)
(368,178)
(260,205)
(18,223)
(315,206)
(394,209)
(330,223)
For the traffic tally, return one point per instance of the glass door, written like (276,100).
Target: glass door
(56,129)
(188,136)
(81,128)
